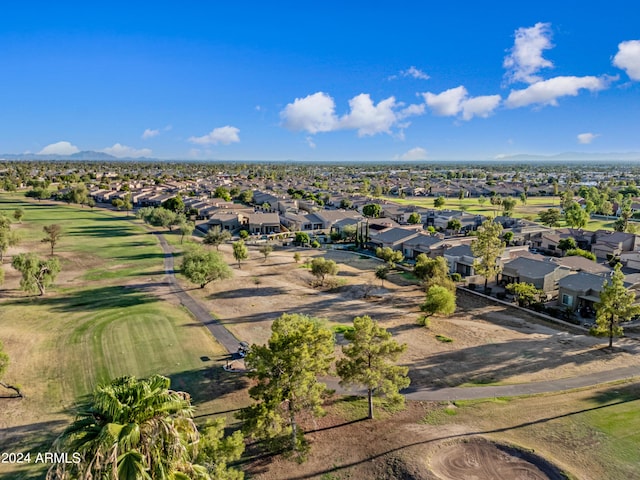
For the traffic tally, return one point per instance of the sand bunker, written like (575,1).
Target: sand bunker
(480,459)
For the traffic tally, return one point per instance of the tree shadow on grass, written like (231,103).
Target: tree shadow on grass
(34,438)
(256,291)
(628,392)
(404,327)
(22,433)
(145,242)
(152,273)
(495,362)
(208,383)
(141,256)
(102,231)
(92,299)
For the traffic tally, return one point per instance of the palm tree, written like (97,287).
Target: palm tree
(132,429)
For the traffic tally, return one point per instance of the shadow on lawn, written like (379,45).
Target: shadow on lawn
(256,291)
(91,299)
(495,362)
(337,308)
(141,256)
(21,434)
(107,231)
(208,383)
(628,392)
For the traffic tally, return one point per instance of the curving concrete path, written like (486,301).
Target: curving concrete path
(230,343)
(219,332)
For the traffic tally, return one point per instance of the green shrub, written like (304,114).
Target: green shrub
(343,328)
(424,321)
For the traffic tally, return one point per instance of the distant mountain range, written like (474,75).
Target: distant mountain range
(90,155)
(574,156)
(84,155)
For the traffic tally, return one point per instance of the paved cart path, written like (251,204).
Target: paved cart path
(219,332)
(230,343)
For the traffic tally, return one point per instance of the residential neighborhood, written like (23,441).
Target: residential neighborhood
(550,261)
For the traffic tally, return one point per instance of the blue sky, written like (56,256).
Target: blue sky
(320,80)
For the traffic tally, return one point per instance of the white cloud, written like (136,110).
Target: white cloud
(482,106)
(224,135)
(628,58)
(586,138)
(456,100)
(416,153)
(313,113)
(411,111)
(370,119)
(316,113)
(149,133)
(310,142)
(413,72)
(118,150)
(59,148)
(547,92)
(447,103)
(525,59)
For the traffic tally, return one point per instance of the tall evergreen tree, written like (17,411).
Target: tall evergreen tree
(616,305)
(487,248)
(368,361)
(8,237)
(285,371)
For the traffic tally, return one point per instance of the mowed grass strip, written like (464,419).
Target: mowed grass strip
(104,244)
(533,207)
(107,320)
(108,314)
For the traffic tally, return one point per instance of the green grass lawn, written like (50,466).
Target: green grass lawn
(530,211)
(106,242)
(106,316)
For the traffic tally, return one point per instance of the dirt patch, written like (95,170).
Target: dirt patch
(481,459)
(492,344)
(401,446)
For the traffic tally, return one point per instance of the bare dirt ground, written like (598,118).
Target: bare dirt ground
(491,343)
(403,447)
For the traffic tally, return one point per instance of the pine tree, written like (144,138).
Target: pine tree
(616,305)
(285,371)
(368,361)
(487,248)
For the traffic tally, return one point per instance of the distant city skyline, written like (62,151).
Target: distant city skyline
(358,81)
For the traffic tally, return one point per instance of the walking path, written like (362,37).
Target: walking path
(219,332)
(230,343)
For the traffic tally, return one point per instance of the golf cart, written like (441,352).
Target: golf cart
(243,349)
